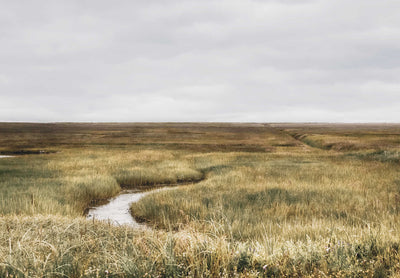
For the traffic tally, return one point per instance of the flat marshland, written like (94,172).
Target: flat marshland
(258,200)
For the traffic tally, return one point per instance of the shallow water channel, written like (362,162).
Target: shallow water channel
(116,211)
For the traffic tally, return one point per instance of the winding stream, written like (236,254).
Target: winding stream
(116,211)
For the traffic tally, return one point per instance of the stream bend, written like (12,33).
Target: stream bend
(117,210)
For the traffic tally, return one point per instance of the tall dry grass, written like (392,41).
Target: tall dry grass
(265,204)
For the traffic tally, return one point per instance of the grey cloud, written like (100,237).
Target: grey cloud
(310,60)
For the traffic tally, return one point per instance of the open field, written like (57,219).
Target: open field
(266,200)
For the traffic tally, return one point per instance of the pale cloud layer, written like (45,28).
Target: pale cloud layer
(203,60)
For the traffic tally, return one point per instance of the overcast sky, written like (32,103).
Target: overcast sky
(203,60)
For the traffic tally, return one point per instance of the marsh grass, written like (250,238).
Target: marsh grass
(280,194)
(264,205)
(345,137)
(70,247)
(381,155)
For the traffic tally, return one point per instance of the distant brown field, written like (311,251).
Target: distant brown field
(191,136)
(345,137)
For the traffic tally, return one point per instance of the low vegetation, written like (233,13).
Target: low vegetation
(255,201)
